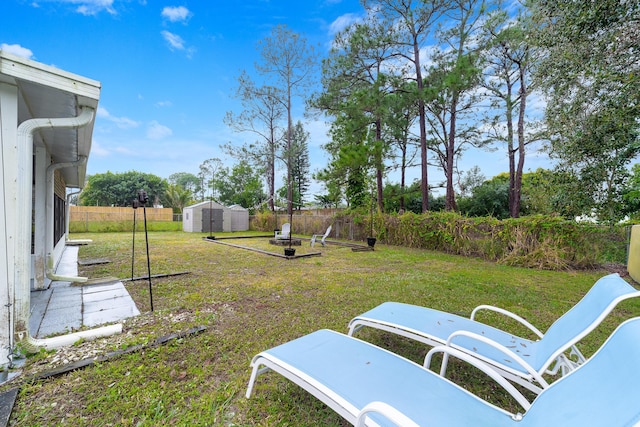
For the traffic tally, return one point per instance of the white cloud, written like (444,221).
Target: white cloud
(18,50)
(164,104)
(125,151)
(342,22)
(121,122)
(174,40)
(87,7)
(157,131)
(176,14)
(98,150)
(177,43)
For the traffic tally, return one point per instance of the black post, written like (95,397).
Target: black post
(142,200)
(210,216)
(146,235)
(133,241)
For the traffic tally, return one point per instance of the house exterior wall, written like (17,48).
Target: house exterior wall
(8,173)
(58,214)
(42,109)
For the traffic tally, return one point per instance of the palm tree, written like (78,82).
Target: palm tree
(178,197)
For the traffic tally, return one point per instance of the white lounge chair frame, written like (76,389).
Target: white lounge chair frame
(323,236)
(284,233)
(370,386)
(519,359)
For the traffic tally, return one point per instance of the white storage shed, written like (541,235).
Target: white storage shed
(210,216)
(239,218)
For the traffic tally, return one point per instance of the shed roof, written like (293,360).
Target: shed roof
(48,92)
(206,204)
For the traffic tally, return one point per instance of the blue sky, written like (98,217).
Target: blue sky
(168,71)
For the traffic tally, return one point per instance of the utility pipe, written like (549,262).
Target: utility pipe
(33,344)
(50,244)
(22,244)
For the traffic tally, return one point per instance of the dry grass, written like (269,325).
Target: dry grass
(251,302)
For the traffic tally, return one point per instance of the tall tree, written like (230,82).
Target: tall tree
(413,19)
(591,74)
(177,197)
(401,119)
(261,115)
(207,175)
(288,61)
(300,164)
(454,78)
(355,86)
(508,59)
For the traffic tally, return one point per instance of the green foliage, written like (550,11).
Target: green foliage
(187,181)
(591,74)
(332,198)
(631,194)
(264,221)
(239,186)
(532,241)
(491,198)
(299,157)
(537,241)
(119,189)
(177,198)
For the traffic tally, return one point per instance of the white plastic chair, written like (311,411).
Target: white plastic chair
(284,233)
(323,236)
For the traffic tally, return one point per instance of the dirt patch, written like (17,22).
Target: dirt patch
(621,269)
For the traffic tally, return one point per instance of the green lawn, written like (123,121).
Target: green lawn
(249,302)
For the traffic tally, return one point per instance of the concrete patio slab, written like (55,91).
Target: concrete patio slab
(65,306)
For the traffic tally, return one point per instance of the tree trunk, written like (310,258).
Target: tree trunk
(521,144)
(511,155)
(424,182)
(379,166)
(271,171)
(450,195)
(403,172)
(289,132)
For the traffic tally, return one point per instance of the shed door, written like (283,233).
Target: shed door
(211,220)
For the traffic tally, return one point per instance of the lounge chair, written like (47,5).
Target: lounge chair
(366,384)
(322,236)
(284,233)
(518,359)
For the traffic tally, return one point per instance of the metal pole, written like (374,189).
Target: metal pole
(133,241)
(146,235)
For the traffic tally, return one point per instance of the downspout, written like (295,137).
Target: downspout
(49,231)
(22,254)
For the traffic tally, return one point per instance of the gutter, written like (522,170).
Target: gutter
(22,283)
